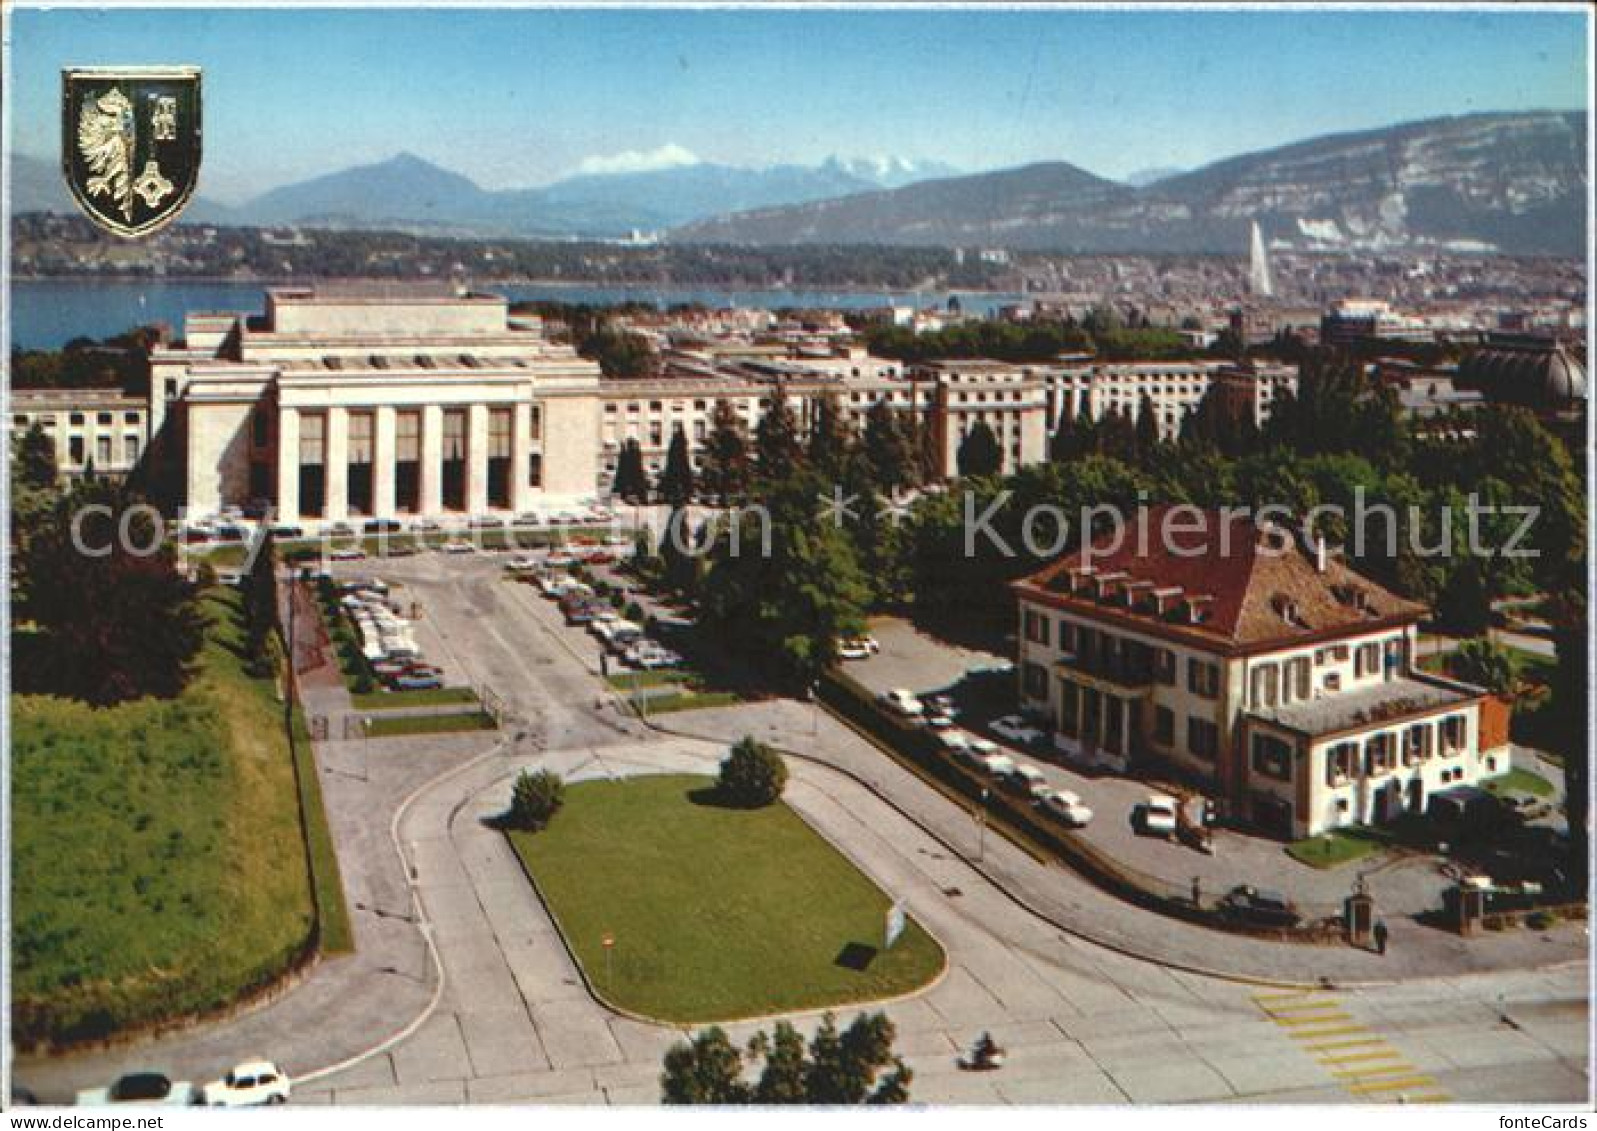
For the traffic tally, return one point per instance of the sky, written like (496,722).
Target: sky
(515,98)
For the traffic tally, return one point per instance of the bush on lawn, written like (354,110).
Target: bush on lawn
(634,613)
(752,775)
(535,799)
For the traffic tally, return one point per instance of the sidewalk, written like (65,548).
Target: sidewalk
(1076,906)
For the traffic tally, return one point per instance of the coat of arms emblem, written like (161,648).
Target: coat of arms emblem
(130,143)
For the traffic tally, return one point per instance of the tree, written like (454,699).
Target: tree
(752,775)
(979,452)
(35,465)
(724,468)
(1463,607)
(889,450)
(117,625)
(676,478)
(631,482)
(857,1066)
(706,1071)
(260,608)
(1569,713)
(829,437)
(777,450)
(1149,439)
(1485,663)
(535,798)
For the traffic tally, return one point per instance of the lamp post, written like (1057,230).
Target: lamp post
(981,827)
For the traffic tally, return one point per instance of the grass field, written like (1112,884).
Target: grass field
(158,862)
(1520,781)
(1334,849)
(717,913)
(395,726)
(428,697)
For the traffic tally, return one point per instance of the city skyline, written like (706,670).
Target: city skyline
(632,90)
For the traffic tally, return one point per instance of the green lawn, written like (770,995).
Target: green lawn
(1520,781)
(395,726)
(682,701)
(1330,850)
(717,913)
(394,700)
(631,681)
(158,862)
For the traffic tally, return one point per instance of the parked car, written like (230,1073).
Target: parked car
(904,702)
(347,554)
(997,765)
(144,1088)
(952,740)
(414,682)
(866,644)
(1016,729)
(979,745)
(1064,806)
(456,546)
(1259,906)
(1026,779)
(852,650)
(1156,816)
(937,720)
(284,530)
(522,563)
(381,526)
(943,705)
(249,1084)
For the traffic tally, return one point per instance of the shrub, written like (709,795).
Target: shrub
(536,798)
(752,775)
(634,613)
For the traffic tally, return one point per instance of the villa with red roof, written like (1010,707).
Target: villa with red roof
(1228,652)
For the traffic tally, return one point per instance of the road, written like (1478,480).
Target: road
(1085,1023)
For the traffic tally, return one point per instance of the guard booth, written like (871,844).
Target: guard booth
(1467,902)
(1359,913)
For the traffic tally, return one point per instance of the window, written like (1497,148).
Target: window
(1416,744)
(102,451)
(1203,679)
(1164,666)
(535,422)
(1036,627)
(1367,660)
(1164,726)
(1378,754)
(1034,679)
(1272,757)
(130,418)
(1067,636)
(1069,710)
(75,449)
(1341,762)
(1295,681)
(1265,685)
(1454,735)
(1203,737)
(76,419)
(103,418)
(130,449)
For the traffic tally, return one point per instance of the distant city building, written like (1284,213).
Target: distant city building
(1277,676)
(102,430)
(1532,370)
(1174,389)
(1356,321)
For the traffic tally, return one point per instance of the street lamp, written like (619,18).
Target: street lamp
(815,708)
(981,827)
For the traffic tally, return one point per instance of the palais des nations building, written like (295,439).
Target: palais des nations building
(340,403)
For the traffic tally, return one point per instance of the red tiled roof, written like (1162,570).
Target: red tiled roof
(1253,587)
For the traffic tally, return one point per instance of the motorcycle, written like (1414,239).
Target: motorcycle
(984,1056)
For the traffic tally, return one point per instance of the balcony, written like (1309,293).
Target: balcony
(1117,675)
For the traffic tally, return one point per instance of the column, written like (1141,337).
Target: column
(383,462)
(520,455)
(337,464)
(288,464)
(432,458)
(477,459)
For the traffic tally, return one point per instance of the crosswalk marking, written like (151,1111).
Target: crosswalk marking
(1361,1061)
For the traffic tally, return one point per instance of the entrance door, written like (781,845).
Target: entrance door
(1416,796)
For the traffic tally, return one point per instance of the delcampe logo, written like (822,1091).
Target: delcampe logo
(130,143)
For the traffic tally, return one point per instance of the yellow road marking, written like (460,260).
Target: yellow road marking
(1333,1031)
(1354,1057)
(1287,995)
(1393,1085)
(1331,1046)
(1433,1098)
(1375,1070)
(1316,1019)
(1302,1007)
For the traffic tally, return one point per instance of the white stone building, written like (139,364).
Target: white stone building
(99,429)
(1280,678)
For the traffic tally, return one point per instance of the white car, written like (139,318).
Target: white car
(953,741)
(249,1084)
(936,720)
(347,554)
(905,703)
(1028,779)
(852,650)
(143,1089)
(1064,806)
(979,745)
(1156,816)
(1016,729)
(523,563)
(455,546)
(998,765)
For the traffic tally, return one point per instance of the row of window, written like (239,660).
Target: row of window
(1381,753)
(77,450)
(24,421)
(1097,650)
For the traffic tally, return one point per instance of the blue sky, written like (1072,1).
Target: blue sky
(514,98)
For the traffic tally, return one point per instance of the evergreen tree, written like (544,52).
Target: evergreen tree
(34,459)
(777,450)
(724,468)
(782,1079)
(706,1071)
(631,481)
(1061,445)
(260,607)
(1148,441)
(676,478)
(889,450)
(829,437)
(979,452)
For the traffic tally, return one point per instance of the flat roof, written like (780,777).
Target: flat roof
(1368,706)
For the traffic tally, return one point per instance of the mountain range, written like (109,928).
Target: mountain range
(409,193)
(1508,182)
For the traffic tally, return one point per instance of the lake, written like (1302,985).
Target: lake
(48,313)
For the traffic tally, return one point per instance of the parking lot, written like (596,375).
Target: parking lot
(982,687)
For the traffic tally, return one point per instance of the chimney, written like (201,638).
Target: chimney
(1319,553)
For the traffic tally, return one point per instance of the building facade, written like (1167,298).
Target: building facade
(1278,678)
(99,431)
